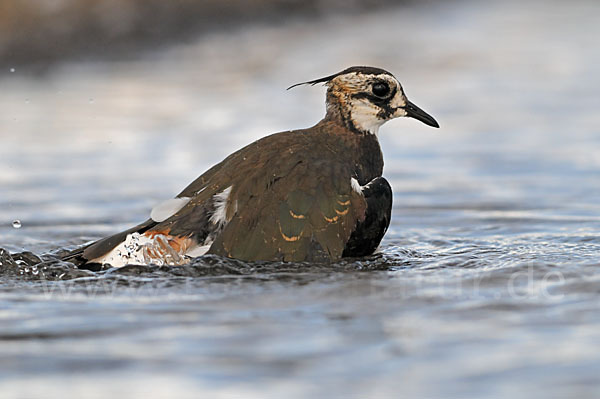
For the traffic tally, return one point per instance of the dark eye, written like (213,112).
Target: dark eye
(380,89)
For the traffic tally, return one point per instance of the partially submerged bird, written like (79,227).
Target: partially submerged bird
(314,194)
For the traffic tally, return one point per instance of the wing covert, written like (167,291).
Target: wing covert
(306,213)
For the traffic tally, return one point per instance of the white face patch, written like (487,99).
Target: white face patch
(399,102)
(168,208)
(220,202)
(367,116)
(356,185)
(364,117)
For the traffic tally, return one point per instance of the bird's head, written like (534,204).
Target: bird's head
(367,97)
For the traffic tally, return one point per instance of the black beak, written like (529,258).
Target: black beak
(415,112)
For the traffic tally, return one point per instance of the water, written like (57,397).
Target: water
(487,283)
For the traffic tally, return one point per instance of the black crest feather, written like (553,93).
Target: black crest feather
(367,70)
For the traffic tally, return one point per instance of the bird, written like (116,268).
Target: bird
(308,195)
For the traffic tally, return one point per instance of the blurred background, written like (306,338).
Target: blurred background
(109,107)
(38,32)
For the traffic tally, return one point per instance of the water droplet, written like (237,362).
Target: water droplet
(12,70)
(26,101)
(16,224)
(91,100)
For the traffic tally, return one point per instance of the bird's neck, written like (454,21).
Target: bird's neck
(358,119)
(369,159)
(361,149)
(338,111)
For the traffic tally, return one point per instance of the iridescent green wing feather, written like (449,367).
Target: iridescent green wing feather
(306,212)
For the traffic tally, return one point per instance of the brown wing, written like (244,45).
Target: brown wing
(287,201)
(245,161)
(243,171)
(300,212)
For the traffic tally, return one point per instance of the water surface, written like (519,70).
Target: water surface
(486,284)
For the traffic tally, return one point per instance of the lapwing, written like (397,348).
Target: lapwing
(313,194)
